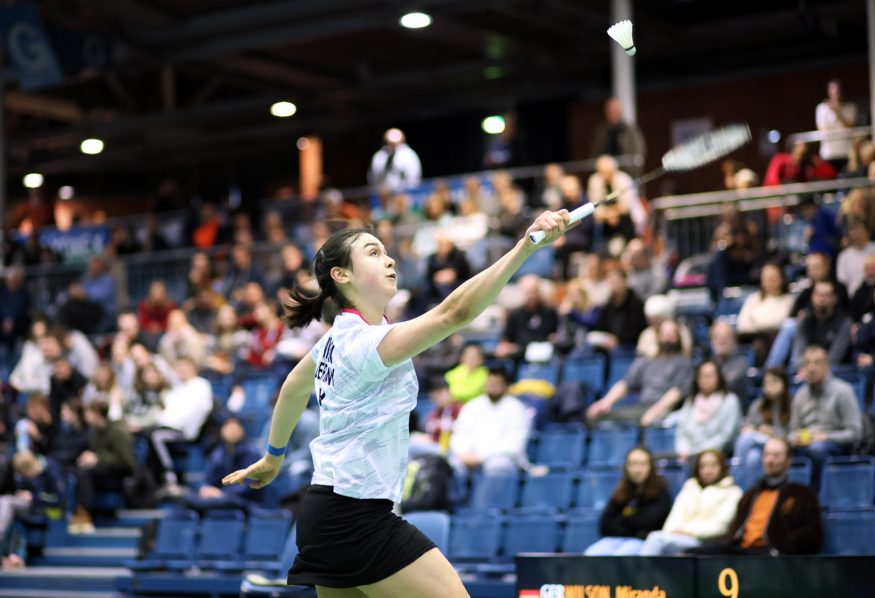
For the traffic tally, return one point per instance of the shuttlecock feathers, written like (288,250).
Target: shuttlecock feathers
(622,33)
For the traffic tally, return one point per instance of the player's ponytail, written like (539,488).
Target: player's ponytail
(303,305)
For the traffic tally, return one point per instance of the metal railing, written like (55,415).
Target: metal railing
(810,136)
(687,222)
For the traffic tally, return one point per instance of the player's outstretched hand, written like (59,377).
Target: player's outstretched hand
(262,473)
(553,224)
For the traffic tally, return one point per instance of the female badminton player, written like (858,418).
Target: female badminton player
(350,543)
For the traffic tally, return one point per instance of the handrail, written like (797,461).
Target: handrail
(668,202)
(809,136)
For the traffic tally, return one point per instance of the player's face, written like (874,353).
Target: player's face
(373,271)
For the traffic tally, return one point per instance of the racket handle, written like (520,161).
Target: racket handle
(577,214)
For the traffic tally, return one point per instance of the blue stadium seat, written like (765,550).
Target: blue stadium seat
(849,533)
(618,368)
(595,488)
(848,483)
(531,533)
(221,534)
(590,371)
(259,391)
(609,444)
(267,535)
(540,263)
(561,447)
(660,439)
(174,543)
(434,524)
(475,537)
(800,471)
(581,530)
(675,474)
(553,490)
(539,371)
(494,491)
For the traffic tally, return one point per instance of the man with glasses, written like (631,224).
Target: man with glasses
(825,418)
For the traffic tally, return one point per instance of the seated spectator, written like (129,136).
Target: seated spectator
(763,312)
(36,430)
(578,240)
(607,179)
(31,373)
(72,435)
(468,379)
(100,288)
(825,325)
(242,271)
(39,491)
(767,416)
(737,247)
(702,511)
(492,430)
(446,269)
(78,312)
(849,267)
(798,166)
(234,452)
(186,409)
(622,317)
(138,357)
(534,321)
(128,325)
(577,316)
(154,309)
(439,422)
(294,266)
(858,205)
(251,297)
(228,343)
(711,415)
(863,301)
(660,381)
(260,352)
(108,460)
(658,309)
(200,275)
(181,340)
(103,387)
(821,232)
(645,277)
(550,190)
(201,310)
(593,276)
(733,364)
(15,306)
(66,384)
(639,505)
(818,267)
(776,516)
(146,399)
(825,418)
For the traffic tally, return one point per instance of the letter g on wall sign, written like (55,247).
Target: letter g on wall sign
(31,54)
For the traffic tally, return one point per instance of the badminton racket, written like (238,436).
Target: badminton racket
(692,154)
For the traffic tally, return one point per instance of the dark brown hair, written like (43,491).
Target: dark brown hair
(721,380)
(721,460)
(652,486)
(767,405)
(302,306)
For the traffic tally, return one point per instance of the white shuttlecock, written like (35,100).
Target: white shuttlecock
(622,33)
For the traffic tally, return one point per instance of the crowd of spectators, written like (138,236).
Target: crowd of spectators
(101,374)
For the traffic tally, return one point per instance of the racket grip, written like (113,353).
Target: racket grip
(577,214)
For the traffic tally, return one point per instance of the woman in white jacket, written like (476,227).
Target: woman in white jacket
(702,511)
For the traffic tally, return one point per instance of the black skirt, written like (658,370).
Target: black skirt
(346,542)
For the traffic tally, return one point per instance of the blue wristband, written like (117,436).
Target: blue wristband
(276,452)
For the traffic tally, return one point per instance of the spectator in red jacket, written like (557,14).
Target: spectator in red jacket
(798,166)
(154,309)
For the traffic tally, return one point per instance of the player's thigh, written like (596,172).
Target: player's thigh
(429,576)
(323,592)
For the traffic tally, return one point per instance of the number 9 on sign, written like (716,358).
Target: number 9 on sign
(727,583)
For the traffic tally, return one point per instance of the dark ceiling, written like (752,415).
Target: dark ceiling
(178,81)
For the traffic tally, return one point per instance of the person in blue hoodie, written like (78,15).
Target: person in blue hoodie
(234,452)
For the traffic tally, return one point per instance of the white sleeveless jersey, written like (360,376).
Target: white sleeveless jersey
(365,408)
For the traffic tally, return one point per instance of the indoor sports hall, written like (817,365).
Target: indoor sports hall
(628,245)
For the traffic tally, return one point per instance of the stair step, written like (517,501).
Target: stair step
(22,593)
(103,537)
(49,579)
(133,517)
(85,556)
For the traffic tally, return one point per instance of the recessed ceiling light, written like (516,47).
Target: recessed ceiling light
(283,109)
(415,20)
(493,125)
(33,180)
(91,146)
